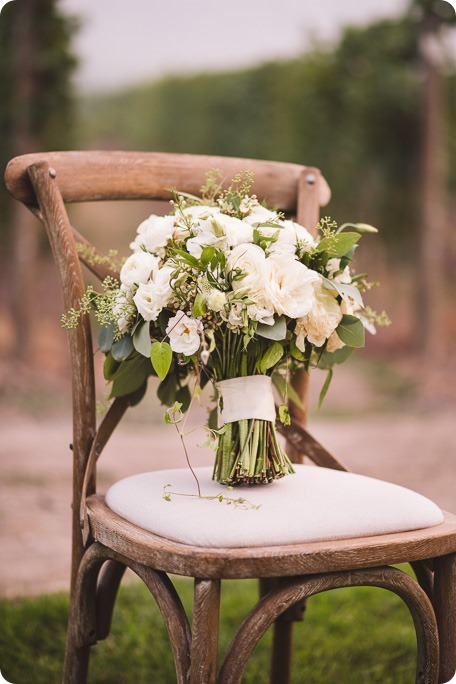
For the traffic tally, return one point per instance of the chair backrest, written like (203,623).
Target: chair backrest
(44,182)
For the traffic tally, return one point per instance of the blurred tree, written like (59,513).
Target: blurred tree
(36,63)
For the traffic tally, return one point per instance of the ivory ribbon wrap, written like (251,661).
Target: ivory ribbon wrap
(247,397)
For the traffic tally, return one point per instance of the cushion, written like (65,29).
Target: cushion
(314,504)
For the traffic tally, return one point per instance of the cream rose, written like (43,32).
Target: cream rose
(184,333)
(322,319)
(291,286)
(255,281)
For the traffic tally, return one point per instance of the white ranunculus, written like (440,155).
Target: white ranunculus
(153,296)
(291,286)
(184,333)
(138,268)
(322,319)
(215,299)
(255,267)
(154,233)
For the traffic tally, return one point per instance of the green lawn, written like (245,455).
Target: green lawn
(349,636)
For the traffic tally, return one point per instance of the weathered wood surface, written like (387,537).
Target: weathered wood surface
(205,631)
(445,610)
(270,561)
(106,175)
(278,600)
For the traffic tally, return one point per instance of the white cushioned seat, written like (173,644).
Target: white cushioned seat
(315,504)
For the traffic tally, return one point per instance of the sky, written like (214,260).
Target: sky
(122,43)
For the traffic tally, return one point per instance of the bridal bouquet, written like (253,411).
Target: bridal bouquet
(226,290)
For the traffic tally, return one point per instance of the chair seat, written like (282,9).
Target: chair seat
(316,504)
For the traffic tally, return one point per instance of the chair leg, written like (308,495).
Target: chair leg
(205,632)
(445,612)
(282,642)
(108,584)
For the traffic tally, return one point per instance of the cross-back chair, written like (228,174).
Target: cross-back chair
(407,528)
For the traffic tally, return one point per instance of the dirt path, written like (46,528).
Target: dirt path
(413,449)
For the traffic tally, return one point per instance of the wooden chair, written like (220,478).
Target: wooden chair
(104,543)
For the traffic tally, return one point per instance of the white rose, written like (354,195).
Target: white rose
(252,262)
(206,233)
(154,233)
(184,334)
(234,319)
(235,230)
(290,235)
(291,286)
(260,214)
(138,268)
(200,211)
(151,297)
(321,321)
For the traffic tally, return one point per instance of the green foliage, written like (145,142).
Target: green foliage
(36,65)
(353,110)
(351,635)
(161,356)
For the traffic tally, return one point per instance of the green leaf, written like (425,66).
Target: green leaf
(338,245)
(329,359)
(360,227)
(199,306)
(122,349)
(161,356)
(110,367)
(141,339)
(130,376)
(135,397)
(188,258)
(106,337)
(286,390)
(207,255)
(346,290)
(284,415)
(167,390)
(277,331)
(325,387)
(351,331)
(271,356)
(294,351)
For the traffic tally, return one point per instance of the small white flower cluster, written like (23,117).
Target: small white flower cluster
(253,273)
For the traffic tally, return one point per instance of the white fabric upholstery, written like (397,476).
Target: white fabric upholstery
(315,504)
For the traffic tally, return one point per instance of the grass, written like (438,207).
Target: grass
(349,636)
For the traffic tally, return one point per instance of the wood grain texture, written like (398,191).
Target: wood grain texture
(278,600)
(205,631)
(270,561)
(445,610)
(101,175)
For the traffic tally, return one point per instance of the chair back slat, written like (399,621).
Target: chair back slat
(88,176)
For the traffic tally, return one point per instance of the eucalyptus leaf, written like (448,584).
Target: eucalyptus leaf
(106,337)
(286,390)
(351,331)
(138,395)
(130,376)
(329,359)
(161,356)
(360,227)
(277,331)
(167,390)
(110,367)
(122,349)
(184,397)
(141,339)
(346,290)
